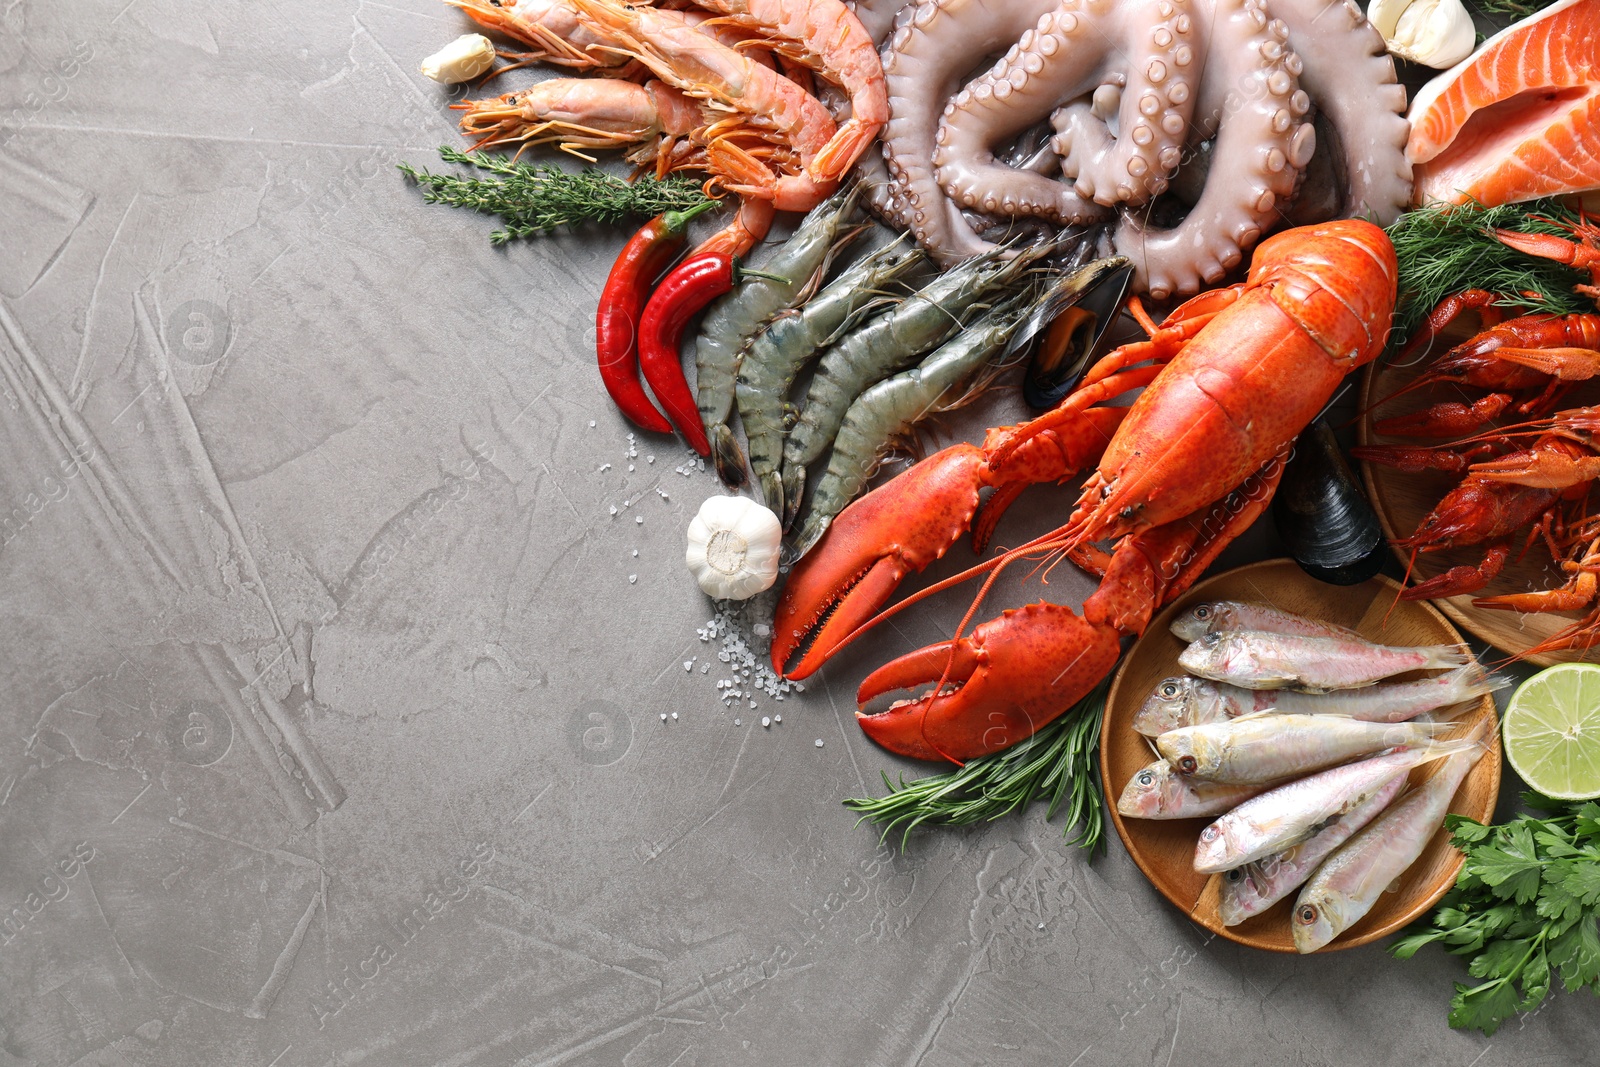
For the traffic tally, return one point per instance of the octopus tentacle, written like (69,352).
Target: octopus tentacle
(934,44)
(1351,76)
(1072,50)
(1261,133)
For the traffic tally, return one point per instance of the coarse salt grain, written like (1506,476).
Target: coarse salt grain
(632,578)
(674,716)
(765,721)
(819,742)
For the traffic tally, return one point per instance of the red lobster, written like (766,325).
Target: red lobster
(1234,376)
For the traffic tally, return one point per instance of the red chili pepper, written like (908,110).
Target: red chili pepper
(622,302)
(692,285)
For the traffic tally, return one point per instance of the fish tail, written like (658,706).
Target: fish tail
(1445,657)
(1470,681)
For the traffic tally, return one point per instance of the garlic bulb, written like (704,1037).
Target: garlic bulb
(1435,33)
(461,60)
(733,547)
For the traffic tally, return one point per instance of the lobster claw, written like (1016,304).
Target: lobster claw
(870,547)
(1012,676)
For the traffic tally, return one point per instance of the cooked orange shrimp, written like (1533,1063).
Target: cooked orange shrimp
(827,37)
(582,113)
(551,27)
(769,116)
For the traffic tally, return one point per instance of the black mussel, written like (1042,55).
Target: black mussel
(1064,331)
(1322,514)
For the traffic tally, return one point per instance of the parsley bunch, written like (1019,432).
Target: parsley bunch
(1525,907)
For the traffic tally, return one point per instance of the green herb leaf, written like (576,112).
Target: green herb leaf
(1512,869)
(1057,764)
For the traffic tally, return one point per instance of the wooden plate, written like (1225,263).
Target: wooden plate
(1401,500)
(1164,850)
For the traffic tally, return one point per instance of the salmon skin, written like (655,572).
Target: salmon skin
(1516,120)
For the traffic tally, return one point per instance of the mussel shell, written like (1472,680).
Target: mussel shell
(1064,332)
(1322,514)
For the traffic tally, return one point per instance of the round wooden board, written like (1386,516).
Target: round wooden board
(1402,500)
(1164,849)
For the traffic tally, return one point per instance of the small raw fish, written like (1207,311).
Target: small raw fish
(1261,748)
(1183,701)
(1257,886)
(1159,792)
(1254,659)
(1351,880)
(1217,615)
(1267,747)
(1293,812)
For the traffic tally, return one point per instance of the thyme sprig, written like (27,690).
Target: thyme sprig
(1058,764)
(535,199)
(1445,249)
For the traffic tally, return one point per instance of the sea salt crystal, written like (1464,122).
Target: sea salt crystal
(688,664)
(663,716)
(819,742)
(737,722)
(636,553)
(639,519)
(630,467)
(632,578)
(649,459)
(765,721)
(604,467)
(591,424)
(613,509)
(778,718)
(674,716)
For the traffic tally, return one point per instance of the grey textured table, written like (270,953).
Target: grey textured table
(332,713)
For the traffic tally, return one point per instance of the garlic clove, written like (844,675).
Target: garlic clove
(1435,33)
(733,547)
(461,60)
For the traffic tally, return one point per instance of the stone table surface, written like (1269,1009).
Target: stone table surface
(332,729)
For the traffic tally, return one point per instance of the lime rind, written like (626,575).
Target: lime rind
(1552,731)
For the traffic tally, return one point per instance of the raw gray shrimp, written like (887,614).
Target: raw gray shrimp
(888,344)
(894,405)
(777,356)
(731,322)
(940,382)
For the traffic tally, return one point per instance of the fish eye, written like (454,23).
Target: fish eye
(1187,764)
(1145,777)
(1202,612)
(1170,689)
(1208,834)
(1306,913)
(1233,875)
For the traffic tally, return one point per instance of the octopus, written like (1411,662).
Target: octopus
(1180,131)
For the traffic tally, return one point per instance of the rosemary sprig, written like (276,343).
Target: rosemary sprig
(1058,763)
(535,199)
(1443,250)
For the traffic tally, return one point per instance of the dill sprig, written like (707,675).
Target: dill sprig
(1445,249)
(535,199)
(1058,763)
(1516,9)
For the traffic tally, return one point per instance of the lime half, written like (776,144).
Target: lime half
(1552,731)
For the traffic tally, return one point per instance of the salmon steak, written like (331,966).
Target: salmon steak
(1516,120)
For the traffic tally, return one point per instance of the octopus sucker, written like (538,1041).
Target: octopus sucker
(1181,259)
(1133,90)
